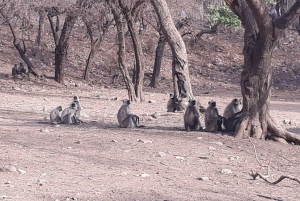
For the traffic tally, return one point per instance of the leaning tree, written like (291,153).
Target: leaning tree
(261,34)
(180,71)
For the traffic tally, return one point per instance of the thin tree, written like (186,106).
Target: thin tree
(180,71)
(260,36)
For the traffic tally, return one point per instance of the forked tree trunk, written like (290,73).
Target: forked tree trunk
(158,59)
(261,34)
(61,49)
(121,54)
(180,69)
(138,52)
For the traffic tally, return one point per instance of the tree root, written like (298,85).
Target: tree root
(277,131)
(282,177)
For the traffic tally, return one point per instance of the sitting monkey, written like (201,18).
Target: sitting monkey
(213,121)
(78,106)
(174,103)
(125,118)
(68,115)
(191,117)
(232,115)
(54,115)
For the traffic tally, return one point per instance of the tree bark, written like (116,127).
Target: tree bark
(61,48)
(40,36)
(260,36)
(121,54)
(138,51)
(158,59)
(182,85)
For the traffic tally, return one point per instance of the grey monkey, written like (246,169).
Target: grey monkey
(174,103)
(55,116)
(125,118)
(191,117)
(213,121)
(78,107)
(232,115)
(68,115)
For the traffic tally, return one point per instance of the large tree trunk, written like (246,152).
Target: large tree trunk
(61,48)
(180,61)
(261,34)
(121,54)
(158,59)
(138,52)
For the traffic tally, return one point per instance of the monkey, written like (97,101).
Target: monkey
(125,118)
(191,117)
(54,115)
(22,69)
(273,12)
(14,70)
(174,104)
(232,115)
(78,106)
(68,115)
(213,121)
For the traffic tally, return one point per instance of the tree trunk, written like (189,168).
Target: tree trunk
(260,36)
(158,59)
(121,54)
(40,36)
(138,53)
(180,61)
(61,48)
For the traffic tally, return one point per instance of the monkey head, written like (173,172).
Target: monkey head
(59,108)
(212,103)
(237,101)
(75,99)
(192,102)
(73,105)
(171,96)
(126,102)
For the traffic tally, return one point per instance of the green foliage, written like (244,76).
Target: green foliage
(222,15)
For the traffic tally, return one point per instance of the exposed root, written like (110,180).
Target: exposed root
(277,131)
(257,174)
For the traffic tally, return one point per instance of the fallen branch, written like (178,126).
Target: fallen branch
(274,182)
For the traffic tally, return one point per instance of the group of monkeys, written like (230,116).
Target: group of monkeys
(213,121)
(69,116)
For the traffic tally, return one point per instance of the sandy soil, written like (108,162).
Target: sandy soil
(100,161)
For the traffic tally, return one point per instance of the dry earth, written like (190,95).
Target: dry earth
(99,161)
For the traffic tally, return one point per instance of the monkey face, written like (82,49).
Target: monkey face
(75,98)
(171,96)
(59,108)
(126,102)
(212,103)
(73,105)
(192,102)
(237,101)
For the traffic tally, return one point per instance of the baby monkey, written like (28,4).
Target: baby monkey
(125,118)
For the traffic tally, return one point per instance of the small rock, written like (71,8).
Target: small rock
(161,154)
(287,121)
(145,141)
(85,115)
(21,171)
(155,115)
(77,142)
(114,140)
(46,99)
(180,158)
(44,130)
(8,182)
(151,101)
(232,158)
(203,178)
(199,138)
(218,143)
(145,175)
(212,148)
(226,171)
(57,125)
(204,157)
(12,169)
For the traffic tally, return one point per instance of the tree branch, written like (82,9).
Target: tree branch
(287,18)
(260,13)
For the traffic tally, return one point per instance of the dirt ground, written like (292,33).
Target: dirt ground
(100,161)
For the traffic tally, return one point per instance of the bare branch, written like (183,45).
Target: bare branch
(260,13)
(287,18)
(277,181)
